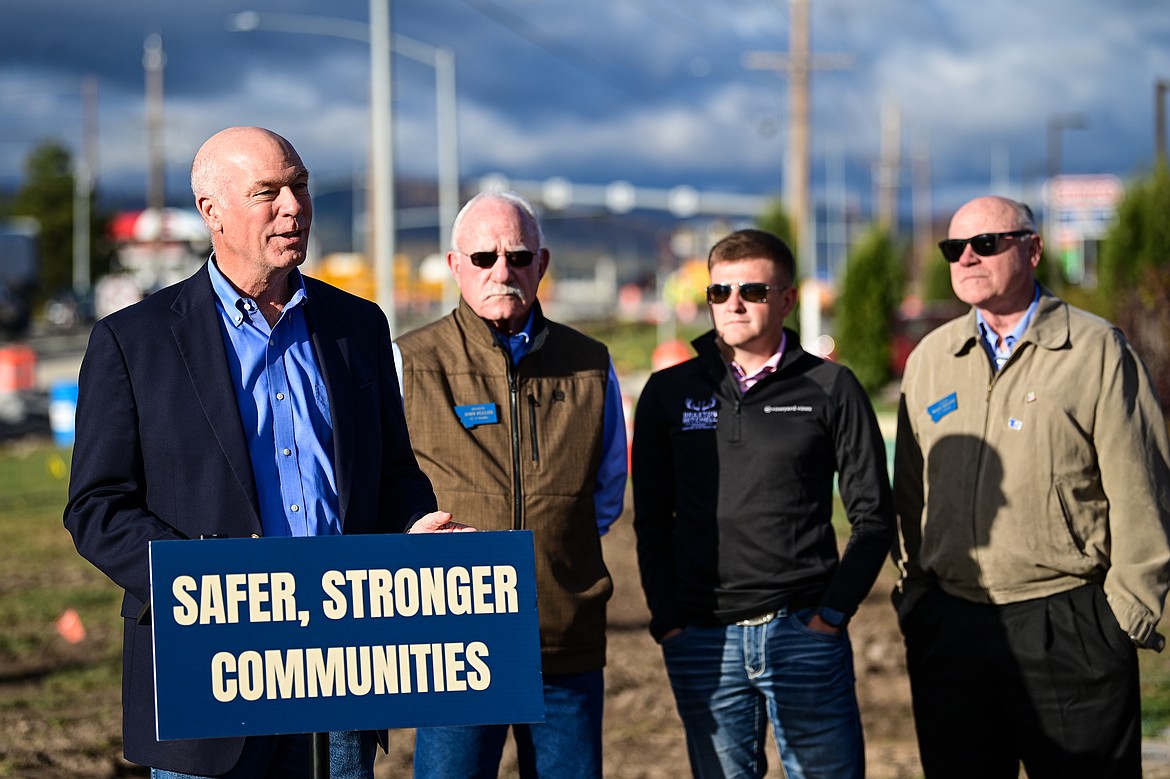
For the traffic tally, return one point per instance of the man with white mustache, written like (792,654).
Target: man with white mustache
(518,422)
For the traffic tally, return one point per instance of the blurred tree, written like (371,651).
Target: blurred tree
(937,286)
(776,221)
(1145,320)
(47,196)
(1133,274)
(869,298)
(1138,241)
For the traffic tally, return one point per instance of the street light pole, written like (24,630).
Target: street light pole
(447,134)
(1057,124)
(382,157)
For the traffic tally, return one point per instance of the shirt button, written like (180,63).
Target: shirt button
(272,342)
(295,508)
(287,452)
(280,396)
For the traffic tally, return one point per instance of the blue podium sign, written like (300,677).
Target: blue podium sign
(300,635)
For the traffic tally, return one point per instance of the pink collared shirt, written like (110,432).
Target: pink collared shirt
(747,382)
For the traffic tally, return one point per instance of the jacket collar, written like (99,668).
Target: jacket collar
(1049,328)
(716,363)
(481,333)
(196,331)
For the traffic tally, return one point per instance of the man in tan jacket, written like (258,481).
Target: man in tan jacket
(1033,493)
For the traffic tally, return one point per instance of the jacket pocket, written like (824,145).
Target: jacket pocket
(1080,512)
(533,403)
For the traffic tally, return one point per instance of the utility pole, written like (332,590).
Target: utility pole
(154,60)
(797,177)
(1160,87)
(923,215)
(798,64)
(889,168)
(84,170)
(384,245)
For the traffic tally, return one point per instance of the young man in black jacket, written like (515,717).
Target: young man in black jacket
(735,453)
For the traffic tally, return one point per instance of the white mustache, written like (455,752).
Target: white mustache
(504,289)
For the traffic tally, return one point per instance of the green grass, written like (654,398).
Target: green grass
(631,344)
(46,682)
(1155,669)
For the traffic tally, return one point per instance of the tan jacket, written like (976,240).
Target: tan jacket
(1050,474)
(534,467)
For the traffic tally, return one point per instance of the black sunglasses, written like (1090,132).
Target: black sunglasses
(751,291)
(984,244)
(517,259)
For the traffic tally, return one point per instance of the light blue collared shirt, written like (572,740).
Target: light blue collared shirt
(990,340)
(284,408)
(610,491)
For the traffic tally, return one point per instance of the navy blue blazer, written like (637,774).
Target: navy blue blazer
(160,453)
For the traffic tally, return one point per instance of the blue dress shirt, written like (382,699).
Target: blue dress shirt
(284,408)
(990,339)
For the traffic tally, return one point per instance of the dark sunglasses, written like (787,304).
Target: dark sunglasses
(751,291)
(517,259)
(984,244)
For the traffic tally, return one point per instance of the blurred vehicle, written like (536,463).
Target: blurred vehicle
(156,248)
(18,273)
(67,311)
(910,329)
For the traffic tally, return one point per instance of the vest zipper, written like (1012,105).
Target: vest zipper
(532,405)
(514,410)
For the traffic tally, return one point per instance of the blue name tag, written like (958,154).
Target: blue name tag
(941,408)
(477,414)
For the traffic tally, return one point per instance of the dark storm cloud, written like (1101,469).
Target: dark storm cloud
(654,91)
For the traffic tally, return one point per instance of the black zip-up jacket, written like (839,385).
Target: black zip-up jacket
(733,492)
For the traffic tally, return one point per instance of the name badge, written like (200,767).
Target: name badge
(477,414)
(940,408)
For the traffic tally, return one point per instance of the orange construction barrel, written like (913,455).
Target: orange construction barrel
(18,369)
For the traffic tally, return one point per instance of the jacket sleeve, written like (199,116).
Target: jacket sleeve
(909,502)
(107,511)
(865,492)
(613,473)
(654,501)
(1134,459)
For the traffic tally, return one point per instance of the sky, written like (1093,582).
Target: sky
(653,92)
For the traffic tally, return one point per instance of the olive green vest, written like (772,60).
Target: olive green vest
(532,464)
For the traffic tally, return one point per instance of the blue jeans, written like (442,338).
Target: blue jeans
(730,681)
(567,745)
(351,756)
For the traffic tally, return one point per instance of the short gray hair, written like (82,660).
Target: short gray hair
(207,177)
(1025,219)
(514,199)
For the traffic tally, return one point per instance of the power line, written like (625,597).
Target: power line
(559,49)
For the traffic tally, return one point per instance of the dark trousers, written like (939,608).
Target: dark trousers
(1051,683)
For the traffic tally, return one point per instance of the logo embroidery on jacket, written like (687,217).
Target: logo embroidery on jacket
(699,414)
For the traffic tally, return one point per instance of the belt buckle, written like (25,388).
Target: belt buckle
(752,622)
